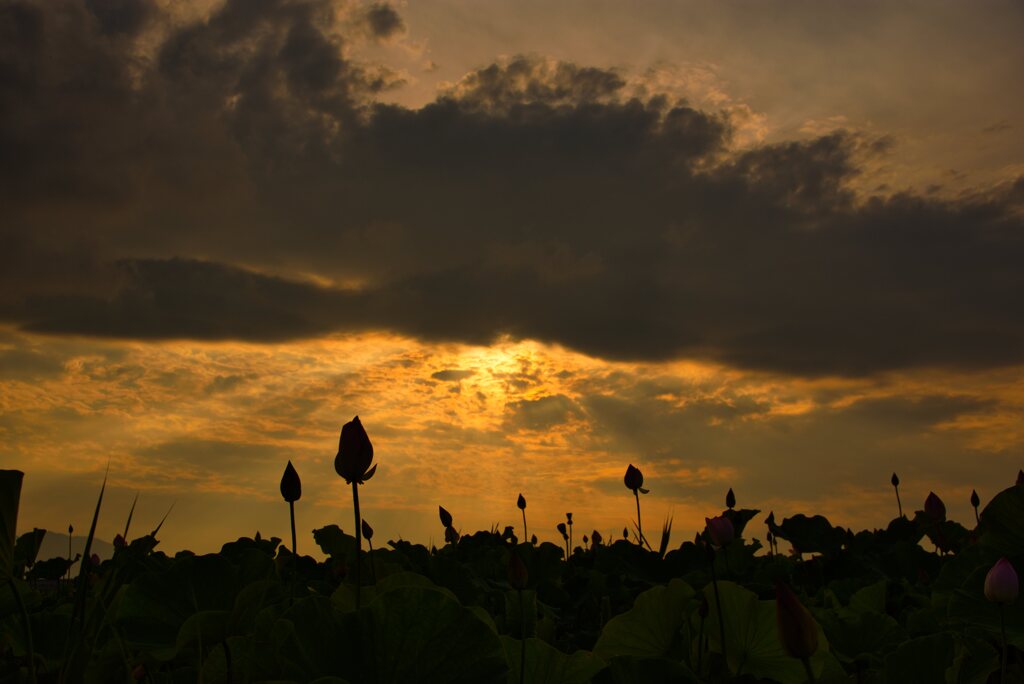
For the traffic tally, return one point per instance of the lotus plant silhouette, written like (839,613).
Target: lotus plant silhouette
(634,480)
(975,502)
(291,490)
(521,505)
(895,481)
(355,454)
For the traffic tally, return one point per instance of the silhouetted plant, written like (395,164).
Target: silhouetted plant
(291,490)
(355,454)
(975,502)
(634,480)
(568,521)
(934,509)
(666,534)
(521,504)
(895,480)
(797,630)
(730,499)
(565,537)
(368,533)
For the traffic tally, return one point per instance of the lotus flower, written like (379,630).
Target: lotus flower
(1001,583)
(517,572)
(634,479)
(720,530)
(291,486)
(797,630)
(355,454)
(934,508)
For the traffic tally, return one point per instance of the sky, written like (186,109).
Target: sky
(775,247)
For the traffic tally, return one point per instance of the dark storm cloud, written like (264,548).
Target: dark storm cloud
(154,173)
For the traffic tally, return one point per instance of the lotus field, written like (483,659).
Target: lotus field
(795,600)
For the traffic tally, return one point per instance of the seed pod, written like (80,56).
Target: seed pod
(291,486)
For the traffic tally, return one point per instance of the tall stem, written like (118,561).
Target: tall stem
(522,643)
(639,525)
(718,607)
(526,533)
(291,508)
(1002,629)
(808,670)
(359,535)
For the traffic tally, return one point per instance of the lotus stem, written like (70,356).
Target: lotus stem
(808,670)
(359,535)
(639,525)
(526,533)
(899,504)
(718,607)
(1002,636)
(291,509)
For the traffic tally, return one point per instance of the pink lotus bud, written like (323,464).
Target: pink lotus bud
(517,572)
(720,530)
(634,479)
(797,630)
(291,486)
(139,673)
(446,517)
(355,453)
(934,508)
(1001,583)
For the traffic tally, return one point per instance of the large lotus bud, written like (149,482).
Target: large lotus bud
(355,453)
(894,480)
(521,503)
(446,517)
(975,499)
(720,530)
(934,508)
(367,530)
(797,630)
(1001,583)
(634,479)
(563,531)
(730,499)
(517,572)
(291,486)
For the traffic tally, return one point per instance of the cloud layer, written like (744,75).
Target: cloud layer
(237,177)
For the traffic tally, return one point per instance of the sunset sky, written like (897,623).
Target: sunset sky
(777,247)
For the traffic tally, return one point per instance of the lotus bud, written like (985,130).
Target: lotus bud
(119,542)
(521,503)
(730,499)
(563,531)
(975,499)
(446,517)
(450,535)
(367,530)
(291,486)
(720,530)
(634,479)
(1001,583)
(355,453)
(894,480)
(596,537)
(517,572)
(533,539)
(797,630)
(586,540)
(625,533)
(934,508)
(71,530)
